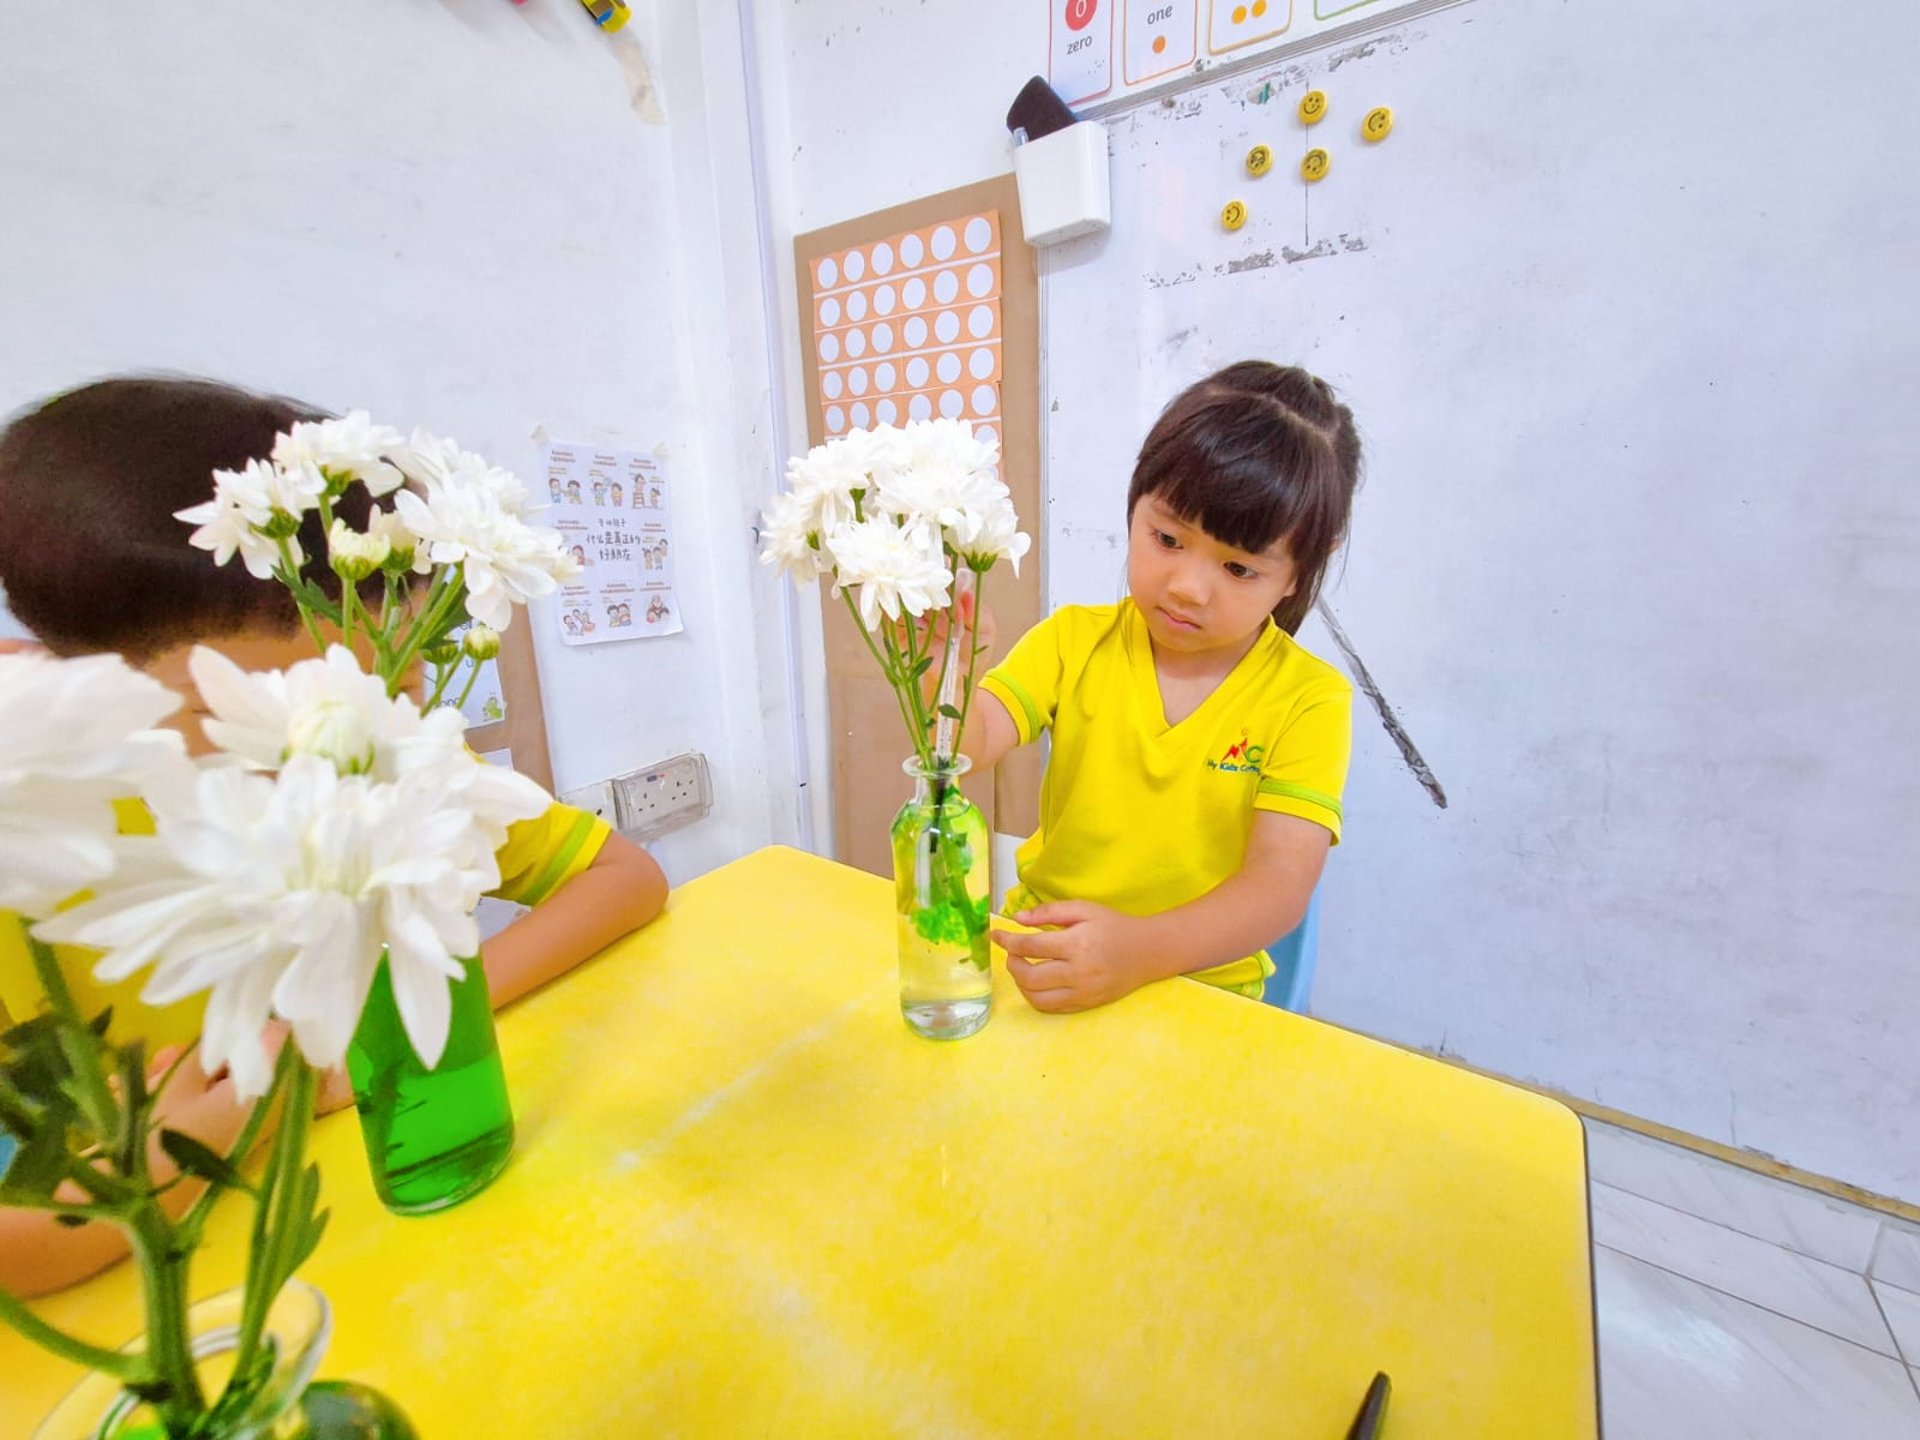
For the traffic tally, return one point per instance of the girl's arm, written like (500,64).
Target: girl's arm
(622,890)
(990,731)
(1099,954)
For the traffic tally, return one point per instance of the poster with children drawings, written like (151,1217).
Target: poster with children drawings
(611,509)
(909,327)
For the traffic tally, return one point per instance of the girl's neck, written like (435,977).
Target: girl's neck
(1193,667)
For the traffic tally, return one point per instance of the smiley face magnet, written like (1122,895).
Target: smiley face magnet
(1314,166)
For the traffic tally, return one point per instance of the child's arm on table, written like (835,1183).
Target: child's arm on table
(39,1255)
(1100,954)
(623,889)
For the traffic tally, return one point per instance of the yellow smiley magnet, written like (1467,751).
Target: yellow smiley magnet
(1378,124)
(1314,166)
(1259,160)
(1313,107)
(1234,216)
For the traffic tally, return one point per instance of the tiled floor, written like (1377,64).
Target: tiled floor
(1737,1307)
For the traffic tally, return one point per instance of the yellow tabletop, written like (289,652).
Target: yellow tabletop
(747,1201)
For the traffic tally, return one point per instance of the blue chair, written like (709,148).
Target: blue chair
(1290,987)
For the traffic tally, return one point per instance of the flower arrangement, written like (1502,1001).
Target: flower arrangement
(905,524)
(898,520)
(336,826)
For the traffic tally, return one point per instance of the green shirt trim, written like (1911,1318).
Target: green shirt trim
(584,826)
(1301,792)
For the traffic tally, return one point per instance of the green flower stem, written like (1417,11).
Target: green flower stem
(278,1215)
(442,677)
(290,577)
(887,668)
(441,614)
(163,1261)
(127,1369)
(96,1098)
(473,678)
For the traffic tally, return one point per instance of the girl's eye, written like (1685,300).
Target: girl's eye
(1164,540)
(1239,571)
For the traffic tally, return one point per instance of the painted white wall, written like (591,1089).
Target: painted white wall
(1729,951)
(452,214)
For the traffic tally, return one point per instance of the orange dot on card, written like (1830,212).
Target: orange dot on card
(1159,44)
(1259,8)
(1239,14)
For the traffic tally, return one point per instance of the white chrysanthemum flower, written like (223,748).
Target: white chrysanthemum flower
(252,510)
(404,550)
(330,707)
(892,569)
(472,518)
(351,448)
(831,482)
(429,459)
(788,541)
(998,536)
(354,556)
(277,896)
(75,735)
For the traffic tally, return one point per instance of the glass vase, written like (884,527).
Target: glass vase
(434,1136)
(942,889)
(284,1404)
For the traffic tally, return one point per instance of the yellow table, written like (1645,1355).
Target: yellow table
(747,1201)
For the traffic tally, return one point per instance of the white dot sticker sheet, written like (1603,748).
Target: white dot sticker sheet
(908,327)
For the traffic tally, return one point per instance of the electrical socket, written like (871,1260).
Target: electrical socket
(662,797)
(596,799)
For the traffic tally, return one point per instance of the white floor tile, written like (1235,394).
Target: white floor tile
(1902,1309)
(1896,1260)
(1811,1291)
(1789,1215)
(1679,1361)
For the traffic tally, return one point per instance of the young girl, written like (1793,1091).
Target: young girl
(1198,751)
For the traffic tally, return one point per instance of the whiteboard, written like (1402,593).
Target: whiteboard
(1628,308)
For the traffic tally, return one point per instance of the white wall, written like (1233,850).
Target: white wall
(452,214)
(1779,1026)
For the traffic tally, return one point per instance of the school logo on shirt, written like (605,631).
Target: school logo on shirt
(1242,755)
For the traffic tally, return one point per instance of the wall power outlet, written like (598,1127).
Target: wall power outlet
(652,801)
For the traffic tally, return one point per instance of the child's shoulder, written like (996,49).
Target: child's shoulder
(1078,628)
(1294,668)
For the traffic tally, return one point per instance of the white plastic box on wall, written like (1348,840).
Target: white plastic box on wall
(1063,183)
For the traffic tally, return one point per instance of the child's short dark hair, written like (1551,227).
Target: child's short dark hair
(1255,454)
(91,556)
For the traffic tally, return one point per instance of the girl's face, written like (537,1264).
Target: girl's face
(1197,594)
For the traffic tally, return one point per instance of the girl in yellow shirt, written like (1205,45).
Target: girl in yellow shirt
(1199,751)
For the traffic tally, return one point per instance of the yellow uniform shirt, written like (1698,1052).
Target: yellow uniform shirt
(540,856)
(1143,816)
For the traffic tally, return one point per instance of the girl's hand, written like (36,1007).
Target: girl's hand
(1095,957)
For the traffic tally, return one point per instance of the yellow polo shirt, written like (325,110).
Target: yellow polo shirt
(1143,816)
(539,857)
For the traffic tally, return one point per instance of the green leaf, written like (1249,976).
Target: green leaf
(952,712)
(40,1163)
(926,664)
(197,1159)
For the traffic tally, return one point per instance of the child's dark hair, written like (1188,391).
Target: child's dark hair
(1255,454)
(91,556)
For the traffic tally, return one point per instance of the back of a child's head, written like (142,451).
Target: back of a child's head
(91,556)
(1255,454)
